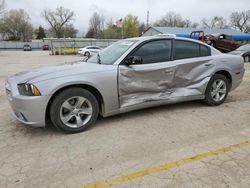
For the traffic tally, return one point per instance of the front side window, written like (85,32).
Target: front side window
(109,55)
(155,51)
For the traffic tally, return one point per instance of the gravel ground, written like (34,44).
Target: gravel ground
(127,143)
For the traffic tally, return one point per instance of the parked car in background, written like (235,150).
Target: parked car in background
(128,75)
(222,42)
(27,47)
(244,51)
(89,50)
(46,47)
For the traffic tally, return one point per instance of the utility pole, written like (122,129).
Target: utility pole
(147,19)
(122,31)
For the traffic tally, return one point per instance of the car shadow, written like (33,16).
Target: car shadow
(148,111)
(51,130)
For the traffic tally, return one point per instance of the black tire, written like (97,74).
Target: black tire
(56,105)
(87,54)
(209,100)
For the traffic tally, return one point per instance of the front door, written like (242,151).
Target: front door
(150,81)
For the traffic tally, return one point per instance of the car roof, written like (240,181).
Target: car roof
(165,36)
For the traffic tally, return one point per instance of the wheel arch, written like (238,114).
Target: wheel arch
(88,87)
(227,75)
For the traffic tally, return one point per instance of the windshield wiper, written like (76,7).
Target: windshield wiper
(98,58)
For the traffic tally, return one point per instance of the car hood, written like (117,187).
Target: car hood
(59,70)
(237,52)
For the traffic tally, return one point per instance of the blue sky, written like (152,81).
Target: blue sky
(194,10)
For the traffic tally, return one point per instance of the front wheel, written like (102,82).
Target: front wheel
(87,54)
(217,90)
(74,110)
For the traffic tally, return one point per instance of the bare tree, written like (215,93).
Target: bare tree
(215,22)
(172,19)
(2,7)
(15,25)
(57,19)
(240,20)
(70,31)
(95,24)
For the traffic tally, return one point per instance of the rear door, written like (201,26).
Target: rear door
(150,81)
(194,66)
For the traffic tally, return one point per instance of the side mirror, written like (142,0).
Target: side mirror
(134,60)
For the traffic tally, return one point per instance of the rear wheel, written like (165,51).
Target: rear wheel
(217,90)
(87,54)
(74,110)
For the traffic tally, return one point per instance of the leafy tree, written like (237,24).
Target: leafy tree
(248,29)
(130,26)
(58,19)
(112,31)
(40,33)
(16,25)
(240,20)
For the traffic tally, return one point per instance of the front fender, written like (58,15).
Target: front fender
(104,82)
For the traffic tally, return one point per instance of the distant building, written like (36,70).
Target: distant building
(185,32)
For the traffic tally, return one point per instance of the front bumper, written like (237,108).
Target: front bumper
(30,110)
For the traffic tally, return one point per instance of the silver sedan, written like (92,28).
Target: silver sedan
(130,74)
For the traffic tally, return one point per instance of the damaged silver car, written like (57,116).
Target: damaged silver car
(130,74)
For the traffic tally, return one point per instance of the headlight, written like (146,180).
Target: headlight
(28,90)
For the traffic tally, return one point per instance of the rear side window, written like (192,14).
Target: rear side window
(187,49)
(204,51)
(155,51)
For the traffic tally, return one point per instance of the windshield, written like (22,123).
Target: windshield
(110,54)
(244,47)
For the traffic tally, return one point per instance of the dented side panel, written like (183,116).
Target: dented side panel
(164,81)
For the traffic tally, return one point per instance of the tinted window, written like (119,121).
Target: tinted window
(155,51)
(205,51)
(186,49)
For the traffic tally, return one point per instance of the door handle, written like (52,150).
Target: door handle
(208,64)
(169,71)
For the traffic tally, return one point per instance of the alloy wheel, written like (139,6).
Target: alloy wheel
(76,111)
(218,90)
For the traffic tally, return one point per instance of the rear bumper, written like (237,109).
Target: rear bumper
(30,110)
(237,78)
